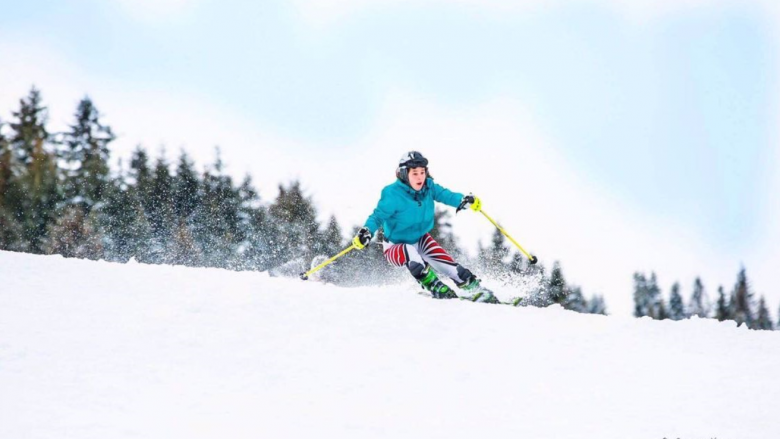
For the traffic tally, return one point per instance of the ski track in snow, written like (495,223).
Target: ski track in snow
(102,350)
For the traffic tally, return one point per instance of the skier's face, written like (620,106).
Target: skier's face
(417,178)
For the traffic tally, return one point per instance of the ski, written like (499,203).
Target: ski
(517,301)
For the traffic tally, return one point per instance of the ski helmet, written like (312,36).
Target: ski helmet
(412,159)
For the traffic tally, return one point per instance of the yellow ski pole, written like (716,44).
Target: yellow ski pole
(530,257)
(477,207)
(305,276)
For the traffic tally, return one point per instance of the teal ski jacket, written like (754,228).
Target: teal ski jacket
(406,214)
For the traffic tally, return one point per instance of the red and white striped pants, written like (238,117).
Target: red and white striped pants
(426,250)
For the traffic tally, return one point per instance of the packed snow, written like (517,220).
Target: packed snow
(103,350)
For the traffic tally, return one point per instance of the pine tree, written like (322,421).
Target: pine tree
(596,305)
(647,297)
(295,226)
(128,232)
(732,305)
(184,201)
(763,319)
(743,300)
(722,307)
(642,304)
(676,307)
(139,194)
(11,231)
(575,300)
(699,304)
(140,172)
(86,157)
(43,196)
(557,285)
(658,309)
(334,241)
(6,167)
(662,312)
(75,234)
(255,229)
(37,176)
(76,229)
(29,128)
(183,250)
(186,197)
(160,211)
(217,225)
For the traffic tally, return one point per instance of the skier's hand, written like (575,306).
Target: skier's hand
(361,240)
(472,202)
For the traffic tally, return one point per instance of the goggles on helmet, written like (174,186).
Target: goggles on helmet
(413,159)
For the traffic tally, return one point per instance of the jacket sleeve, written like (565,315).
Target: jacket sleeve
(382,212)
(446,196)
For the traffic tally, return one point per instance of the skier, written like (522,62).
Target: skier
(405,211)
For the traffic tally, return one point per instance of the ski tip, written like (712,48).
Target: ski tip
(534,260)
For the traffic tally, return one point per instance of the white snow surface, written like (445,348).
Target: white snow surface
(103,350)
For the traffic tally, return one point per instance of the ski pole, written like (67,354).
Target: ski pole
(530,257)
(305,276)
(478,208)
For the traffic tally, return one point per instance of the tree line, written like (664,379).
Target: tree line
(60,195)
(739,304)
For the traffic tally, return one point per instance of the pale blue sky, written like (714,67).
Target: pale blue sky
(672,115)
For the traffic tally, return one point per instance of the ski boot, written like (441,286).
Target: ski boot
(438,289)
(476,292)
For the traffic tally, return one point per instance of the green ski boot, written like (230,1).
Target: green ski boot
(476,292)
(438,289)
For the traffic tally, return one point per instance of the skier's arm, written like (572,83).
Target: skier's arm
(383,211)
(446,196)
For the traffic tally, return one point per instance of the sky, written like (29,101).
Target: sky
(612,136)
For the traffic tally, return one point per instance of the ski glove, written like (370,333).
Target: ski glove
(473,202)
(361,240)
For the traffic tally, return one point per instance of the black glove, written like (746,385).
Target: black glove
(363,237)
(470,201)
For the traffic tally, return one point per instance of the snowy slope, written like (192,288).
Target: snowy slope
(100,350)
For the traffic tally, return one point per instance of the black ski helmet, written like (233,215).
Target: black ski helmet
(412,159)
